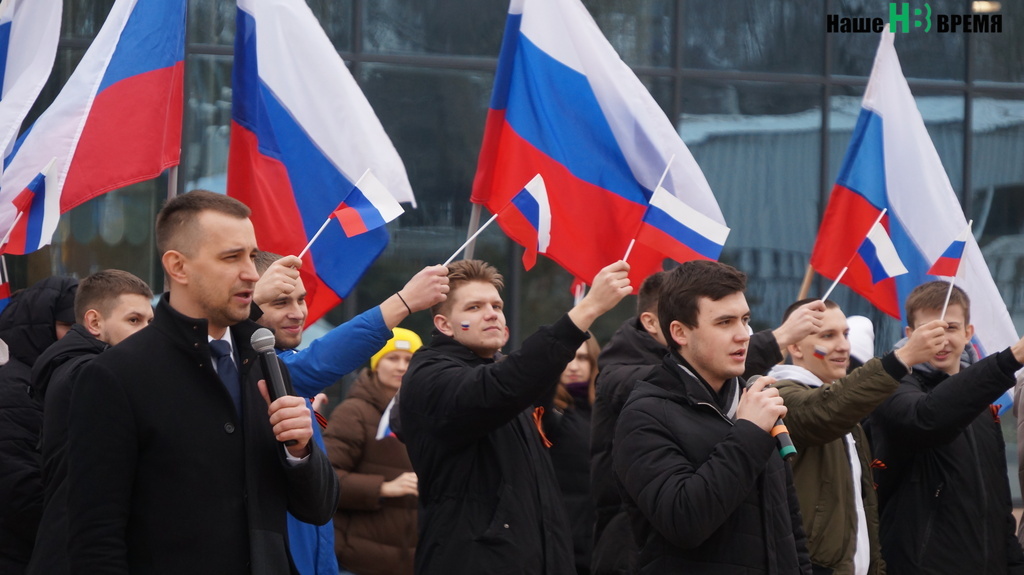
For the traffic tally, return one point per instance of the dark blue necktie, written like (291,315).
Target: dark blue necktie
(227,371)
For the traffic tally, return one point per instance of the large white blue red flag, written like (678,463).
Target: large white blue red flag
(892,163)
(567,107)
(680,232)
(116,121)
(302,132)
(29,30)
(532,204)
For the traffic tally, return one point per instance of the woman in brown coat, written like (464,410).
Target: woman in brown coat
(375,524)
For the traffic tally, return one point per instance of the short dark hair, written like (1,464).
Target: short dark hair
(463,272)
(829,304)
(685,285)
(101,290)
(650,289)
(175,224)
(932,295)
(264,260)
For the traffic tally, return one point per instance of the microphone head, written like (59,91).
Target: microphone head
(262,340)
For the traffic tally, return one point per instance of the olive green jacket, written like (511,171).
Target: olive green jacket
(818,419)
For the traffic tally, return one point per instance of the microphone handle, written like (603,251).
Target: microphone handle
(781,434)
(275,380)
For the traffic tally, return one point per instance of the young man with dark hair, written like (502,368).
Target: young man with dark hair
(635,349)
(281,297)
(832,469)
(706,489)
(489,501)
(110,305)
(943,491)
(176,461)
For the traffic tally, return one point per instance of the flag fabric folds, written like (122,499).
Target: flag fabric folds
(879,255)
(892,163)
(567,107)
(29,31)
(301,133)
(949,261)
(117,120)
(678,231)
(368,206)
(532,204)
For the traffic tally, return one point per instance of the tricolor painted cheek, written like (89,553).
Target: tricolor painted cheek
(464,325)
(819,352)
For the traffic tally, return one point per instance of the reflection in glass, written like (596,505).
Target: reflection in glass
(756,36)
(207,122)
(211,22)
(455,27)
(640,32)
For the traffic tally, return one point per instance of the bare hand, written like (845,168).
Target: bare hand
(320,402)
(924,343)
(280,279)
(761,404)
(290,420)
(804,321)
(405,484)
(611,284)
(427,288)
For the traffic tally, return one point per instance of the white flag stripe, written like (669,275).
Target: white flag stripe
(539,191)
(885,251)
(689,217)
(374,191)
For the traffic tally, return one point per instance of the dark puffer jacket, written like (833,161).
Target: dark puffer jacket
(706,494)
(27,326)
(943,491)
(373,535)
(53,377)
(629,356)
(489,502)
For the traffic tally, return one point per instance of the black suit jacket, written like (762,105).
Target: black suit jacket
(165,477)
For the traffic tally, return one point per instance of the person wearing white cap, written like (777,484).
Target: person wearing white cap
(862,340)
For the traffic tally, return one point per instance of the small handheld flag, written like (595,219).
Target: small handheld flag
(948,263)
(532,203)
(679,231)
(878,254)
(368,206)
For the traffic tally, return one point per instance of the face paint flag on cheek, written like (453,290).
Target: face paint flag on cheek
(465,326)
(819,352)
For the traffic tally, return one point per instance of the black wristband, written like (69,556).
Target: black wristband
(399,294)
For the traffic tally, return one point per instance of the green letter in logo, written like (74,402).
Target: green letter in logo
(895,17)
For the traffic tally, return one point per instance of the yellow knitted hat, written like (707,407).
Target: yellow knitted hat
(403,340)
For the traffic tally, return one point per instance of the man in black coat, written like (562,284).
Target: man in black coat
(943,492)
(489,501)
(636,348)
(706,489)
(35,319)
(176,464)
(110,305)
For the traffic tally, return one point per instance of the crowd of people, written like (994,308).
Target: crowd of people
(142,439)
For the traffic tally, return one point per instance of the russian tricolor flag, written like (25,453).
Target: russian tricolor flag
(948,263)
(301,133)
(532,204)
(116,122)
(892,163)
(567,107)
(26,231)
(675,229)
(367,207)
(879,255)
(29,31)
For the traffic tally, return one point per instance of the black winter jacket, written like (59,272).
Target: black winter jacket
(27,326)
(569,432)
(706,494)
(629,356)
(942,485)
(489,502)
(52,379)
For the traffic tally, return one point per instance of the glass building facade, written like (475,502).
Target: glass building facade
(764,96)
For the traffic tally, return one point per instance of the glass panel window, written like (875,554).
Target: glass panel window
(451,27)
(640,32)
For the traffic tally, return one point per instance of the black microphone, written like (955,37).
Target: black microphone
(262,342)
(780,432)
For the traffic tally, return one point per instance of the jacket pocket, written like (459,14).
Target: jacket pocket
(933,507)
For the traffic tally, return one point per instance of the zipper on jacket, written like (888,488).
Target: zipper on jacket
(931,520)
(718,411)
